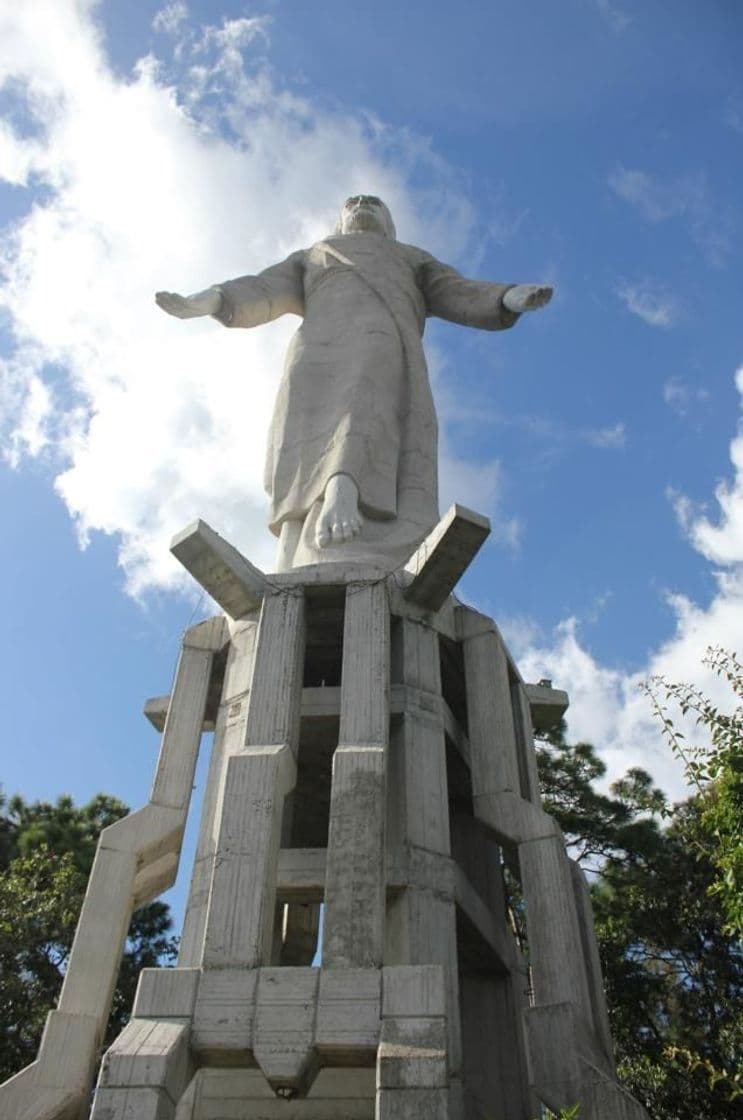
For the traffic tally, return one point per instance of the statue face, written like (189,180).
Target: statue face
(364,213)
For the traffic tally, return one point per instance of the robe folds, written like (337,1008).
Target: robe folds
(355,396)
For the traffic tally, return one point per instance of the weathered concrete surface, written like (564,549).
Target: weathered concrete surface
(412,1065)
(421,922)
(148,1054)
(166,993)
(492,732)
(555,948)
(223,572)
(240,917)
(228,739)
(224,1016)
(567,1065)
(240,913)
(592,963)
(354,888)
(438,563)
(348,1015)
(548,705)
(417,763)
(244,1094)
(284,1032)
(354,885)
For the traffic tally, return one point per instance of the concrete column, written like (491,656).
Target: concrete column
(422,919)
(355,873)
(412,1076)
(555,947)
(493,1044)
(525,742)
(592,963)
(144,1073)
(492,733)
(127,847)
(179,750)
(229,736)
(242,898)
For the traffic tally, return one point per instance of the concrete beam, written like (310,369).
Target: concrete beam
(444,556)
(548,705)
(230,579)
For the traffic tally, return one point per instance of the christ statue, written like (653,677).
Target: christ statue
(351,463)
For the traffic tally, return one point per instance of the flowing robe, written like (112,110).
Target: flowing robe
(355,397)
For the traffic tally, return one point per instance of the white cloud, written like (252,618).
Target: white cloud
(607,707)
(170,18)
(617,18)
(685,196)
(680,396)
(654,305)
(721,542)
(658,199)
(193,168)
(609,438)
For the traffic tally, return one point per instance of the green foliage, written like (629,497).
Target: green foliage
(61,827)
(673,970)
(717,772)
(39,900)
(598,827)
(46,852)
(674,978)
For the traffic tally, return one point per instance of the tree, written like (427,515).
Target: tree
(716,770)
(46,852)
(674,978)
(673,970)
(600,829)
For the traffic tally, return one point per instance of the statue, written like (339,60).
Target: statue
(351,465)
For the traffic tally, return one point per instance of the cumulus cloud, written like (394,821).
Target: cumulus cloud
(721,541)
(197,166)
(651,303)
(607,707)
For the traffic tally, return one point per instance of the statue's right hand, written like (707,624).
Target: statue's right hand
(190,307)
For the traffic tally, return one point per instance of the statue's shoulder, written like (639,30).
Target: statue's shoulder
(415,256)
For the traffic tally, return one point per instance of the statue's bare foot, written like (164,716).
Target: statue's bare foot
(339,518)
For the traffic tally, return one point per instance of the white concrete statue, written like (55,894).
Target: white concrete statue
(351,466)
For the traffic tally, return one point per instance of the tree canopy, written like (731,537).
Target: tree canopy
(715,769)
(46,852)
(673,968)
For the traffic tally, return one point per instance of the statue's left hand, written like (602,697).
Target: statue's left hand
(190,307)
(527,297)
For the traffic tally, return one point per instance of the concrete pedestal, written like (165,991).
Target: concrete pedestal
(373,753)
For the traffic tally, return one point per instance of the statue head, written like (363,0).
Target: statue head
(364,213)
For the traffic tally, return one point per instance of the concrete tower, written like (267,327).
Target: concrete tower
(373,757)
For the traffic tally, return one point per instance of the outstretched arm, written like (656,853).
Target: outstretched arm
(476,303)
(247,301)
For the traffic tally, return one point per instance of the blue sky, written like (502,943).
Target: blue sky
(591,144)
